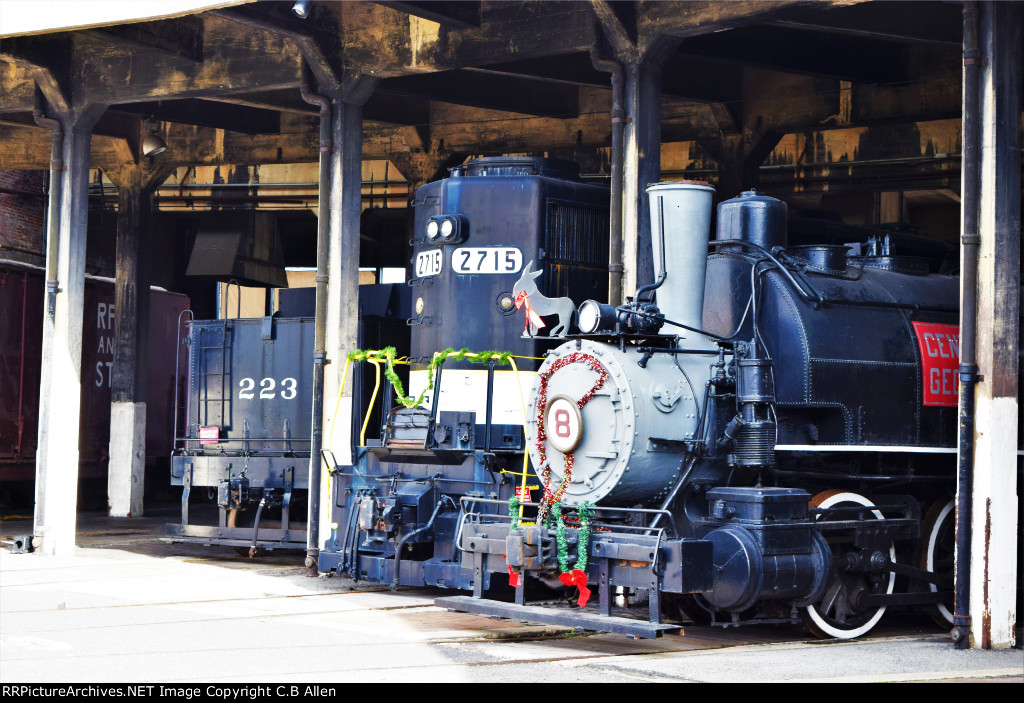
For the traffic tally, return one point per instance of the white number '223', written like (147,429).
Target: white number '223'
(267,385)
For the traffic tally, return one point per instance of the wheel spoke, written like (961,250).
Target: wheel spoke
(842,612)
(828,601)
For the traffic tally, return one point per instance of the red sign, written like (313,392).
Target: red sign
(940,358)
(209,435)
(523,494)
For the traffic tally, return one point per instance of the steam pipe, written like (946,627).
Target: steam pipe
(256,525)
(663,273)
(320,320)
(618,119)
(53,213)
(968,371)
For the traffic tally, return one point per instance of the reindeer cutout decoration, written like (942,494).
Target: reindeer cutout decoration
(525,293)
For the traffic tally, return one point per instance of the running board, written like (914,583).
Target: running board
(576,618)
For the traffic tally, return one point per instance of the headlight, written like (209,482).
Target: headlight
(447,227)
(432,229)
(593,317)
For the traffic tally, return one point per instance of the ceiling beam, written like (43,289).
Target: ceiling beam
(506,93)
(234,62)
(460,15)
(178,38)
(688,19)
(207,113)
(916,22)
(842,57)
(47,61)
(384,43)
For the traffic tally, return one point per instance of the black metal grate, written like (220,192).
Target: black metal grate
(576,234)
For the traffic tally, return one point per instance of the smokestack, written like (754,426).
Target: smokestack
(680,227)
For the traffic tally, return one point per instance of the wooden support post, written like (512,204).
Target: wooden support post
(994,512)
(343,285)
(641,159)
(61,379)
(126,474)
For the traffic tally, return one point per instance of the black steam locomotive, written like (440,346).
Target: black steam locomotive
(766,434)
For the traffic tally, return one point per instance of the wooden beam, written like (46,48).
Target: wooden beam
(177,38)
(234,62)
(856,59)
(17,87)
(995,510)
(316,37)
(61,376)
(622,41)
(46,61)
(206,113)
(127,451)
(460,15)
(285,100)
(384,42)
(688,19)
(507,93)
(917,22)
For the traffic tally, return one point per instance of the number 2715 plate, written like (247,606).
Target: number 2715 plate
(487,260)
(428,263)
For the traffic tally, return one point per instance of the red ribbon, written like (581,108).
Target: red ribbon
(513,577)
(578,578)
(531,314)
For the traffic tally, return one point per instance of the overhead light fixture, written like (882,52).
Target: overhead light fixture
(152,143)
(301,8)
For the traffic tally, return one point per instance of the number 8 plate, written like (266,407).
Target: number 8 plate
(563,423)
(487,260)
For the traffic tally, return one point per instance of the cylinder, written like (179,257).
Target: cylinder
(753,217)
(680,227)
(744,574)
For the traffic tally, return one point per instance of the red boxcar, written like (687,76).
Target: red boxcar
(21,338)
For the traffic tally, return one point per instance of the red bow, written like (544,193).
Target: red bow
(513,577)
(531,315)
(578,578)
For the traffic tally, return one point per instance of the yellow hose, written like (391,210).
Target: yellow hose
(373,399)
(404,360)
(526,446)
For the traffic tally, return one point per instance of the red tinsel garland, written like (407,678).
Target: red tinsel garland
(550,498)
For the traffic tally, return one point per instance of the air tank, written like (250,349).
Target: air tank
(753,217)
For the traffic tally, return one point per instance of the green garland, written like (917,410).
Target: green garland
(388,355)
(513,511)
(584,542)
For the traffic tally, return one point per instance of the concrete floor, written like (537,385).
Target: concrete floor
(130,607)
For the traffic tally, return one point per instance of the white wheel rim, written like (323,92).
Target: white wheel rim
(933,537)
(812,612)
